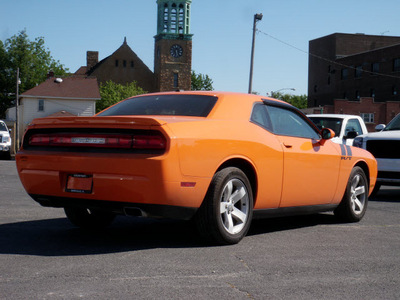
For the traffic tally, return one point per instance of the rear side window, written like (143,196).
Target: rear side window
(164,105)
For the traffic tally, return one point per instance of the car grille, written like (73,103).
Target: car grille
(384,148)
(1,138)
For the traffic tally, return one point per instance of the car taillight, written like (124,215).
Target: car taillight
(121,141)
(148,142)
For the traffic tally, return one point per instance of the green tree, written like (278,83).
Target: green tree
(201,82)
(34,62)
(299,101)
(112,93)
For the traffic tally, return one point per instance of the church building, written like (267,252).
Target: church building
(172,54)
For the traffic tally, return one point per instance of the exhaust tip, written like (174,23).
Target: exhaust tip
(134,212)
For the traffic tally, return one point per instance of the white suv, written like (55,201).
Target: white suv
(5,141)
(385,146)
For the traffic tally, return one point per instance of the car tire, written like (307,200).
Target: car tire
(355,200)
(225,215)
(89,218)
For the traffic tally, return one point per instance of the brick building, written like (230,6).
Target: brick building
(172,54)
(346,68)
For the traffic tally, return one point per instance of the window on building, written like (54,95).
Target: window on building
(394,90)
(132,64)
(176,80)
(124,63)
(357,94)
(372,93)
(375,68)
(181,18)
(329,80)
(358,72)
(41,105)
(173,18)
(166,17)
(344,95)
(345,74)
(396,65)
(368,117)
(116,62)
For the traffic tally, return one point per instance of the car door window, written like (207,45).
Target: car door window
(287,122)
(353,125)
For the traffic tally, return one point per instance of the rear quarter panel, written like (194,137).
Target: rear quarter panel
(204,146)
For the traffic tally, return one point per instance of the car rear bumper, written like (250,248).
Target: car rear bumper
(151,184)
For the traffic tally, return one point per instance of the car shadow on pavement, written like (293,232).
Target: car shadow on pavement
(261,226)
(57,237)
(387,194)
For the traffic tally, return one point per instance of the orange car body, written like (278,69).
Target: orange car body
(285,171)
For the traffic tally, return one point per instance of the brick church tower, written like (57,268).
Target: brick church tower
(173,46)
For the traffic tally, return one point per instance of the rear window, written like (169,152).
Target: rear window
(165,105)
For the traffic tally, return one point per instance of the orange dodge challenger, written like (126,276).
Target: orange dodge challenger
(221,159)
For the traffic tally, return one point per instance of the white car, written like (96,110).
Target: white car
(5,141)
(385,146)
(346,127)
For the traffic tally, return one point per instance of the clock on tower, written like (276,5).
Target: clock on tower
(173,46)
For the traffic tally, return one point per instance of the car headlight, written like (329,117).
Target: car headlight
(6,139)
(358,142)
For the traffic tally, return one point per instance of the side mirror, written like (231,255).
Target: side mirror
(327,133)
(380,127)
(351,135)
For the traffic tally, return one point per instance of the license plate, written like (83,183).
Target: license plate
(79,183)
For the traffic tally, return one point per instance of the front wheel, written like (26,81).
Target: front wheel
(89,218)
(355,199)
(227,210)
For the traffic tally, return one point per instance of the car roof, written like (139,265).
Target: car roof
(230,104)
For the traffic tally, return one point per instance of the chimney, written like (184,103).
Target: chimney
(92,58)
(50,74)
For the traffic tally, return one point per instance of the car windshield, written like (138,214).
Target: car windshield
(3,127)
(332,123)
(394,124)
(170,105)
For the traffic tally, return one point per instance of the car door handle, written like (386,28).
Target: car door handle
(287,145)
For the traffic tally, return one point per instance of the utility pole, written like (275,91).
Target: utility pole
(257,17)
(17,113)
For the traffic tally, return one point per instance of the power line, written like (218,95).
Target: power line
(326,59)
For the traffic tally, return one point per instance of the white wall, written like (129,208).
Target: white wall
(29,109)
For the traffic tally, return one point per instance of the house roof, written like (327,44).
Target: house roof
(69,87)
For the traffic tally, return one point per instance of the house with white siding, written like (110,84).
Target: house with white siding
(62,96)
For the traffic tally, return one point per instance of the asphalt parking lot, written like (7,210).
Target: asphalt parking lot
(308,257)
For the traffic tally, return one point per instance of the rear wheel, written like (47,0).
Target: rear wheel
(227,210)
(355,199)
(88,218)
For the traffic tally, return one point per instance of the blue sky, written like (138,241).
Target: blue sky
(222,33)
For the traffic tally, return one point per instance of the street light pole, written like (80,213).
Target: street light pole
(275,92)
(257,17)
